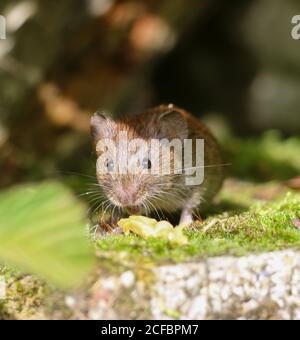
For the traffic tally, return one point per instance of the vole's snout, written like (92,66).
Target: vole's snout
(127,196)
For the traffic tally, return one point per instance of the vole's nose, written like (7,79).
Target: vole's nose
(127,195)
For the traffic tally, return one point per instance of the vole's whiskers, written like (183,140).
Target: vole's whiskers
(98,206)
(113,211)
(197,215)
(155,198)
(153,206)
(91,195)
(144,207)
(96,202)
(77,174)
(205,166)
(107,208)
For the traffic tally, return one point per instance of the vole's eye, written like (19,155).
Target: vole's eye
(110,166)
(146,163)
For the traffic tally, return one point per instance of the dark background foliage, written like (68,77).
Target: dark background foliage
(232,63)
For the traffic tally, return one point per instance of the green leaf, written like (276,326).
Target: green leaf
(42,231)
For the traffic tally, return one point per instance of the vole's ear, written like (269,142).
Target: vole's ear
(99,124)
(173,125)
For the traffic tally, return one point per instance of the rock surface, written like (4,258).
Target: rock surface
(265,286)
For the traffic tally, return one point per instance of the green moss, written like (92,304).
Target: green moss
(25,296)
(262,227)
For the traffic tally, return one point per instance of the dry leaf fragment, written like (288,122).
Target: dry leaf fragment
(148,227)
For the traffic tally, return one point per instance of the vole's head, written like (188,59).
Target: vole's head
(131,176)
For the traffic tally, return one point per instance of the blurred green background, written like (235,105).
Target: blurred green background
(232,63)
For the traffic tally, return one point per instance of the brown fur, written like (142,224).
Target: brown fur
(152,193)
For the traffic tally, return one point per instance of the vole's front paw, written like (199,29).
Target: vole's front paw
(102,229)
(117,231)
